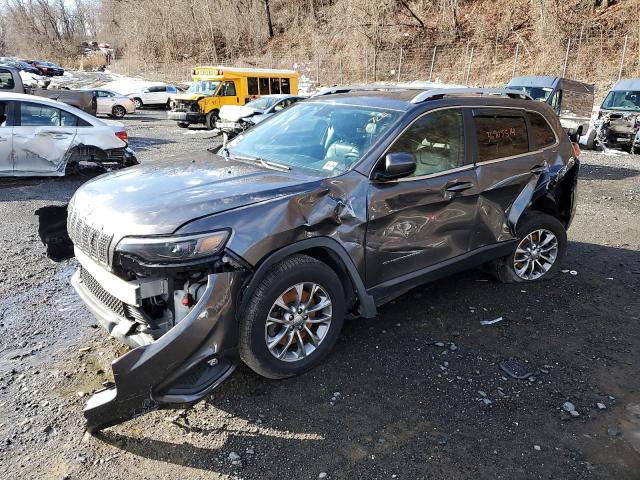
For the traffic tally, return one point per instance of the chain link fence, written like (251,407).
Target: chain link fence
(596,59)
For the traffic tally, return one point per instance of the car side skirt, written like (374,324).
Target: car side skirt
(387,291)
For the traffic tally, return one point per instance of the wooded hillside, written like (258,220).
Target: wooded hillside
(341,40)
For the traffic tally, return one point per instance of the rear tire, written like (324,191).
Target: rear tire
(183,125)
(542,243)
(278,343)
(138,103)
(118,111)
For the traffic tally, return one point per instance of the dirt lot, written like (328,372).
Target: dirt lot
(414,393)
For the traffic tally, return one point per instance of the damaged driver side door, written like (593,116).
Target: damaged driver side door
(42,137)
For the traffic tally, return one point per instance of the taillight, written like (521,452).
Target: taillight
(123,136)
(576,149)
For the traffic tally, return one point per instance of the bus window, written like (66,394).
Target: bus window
(275,85)
(286,88)
(252,85)
(264,86)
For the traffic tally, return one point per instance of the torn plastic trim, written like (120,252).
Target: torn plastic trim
(204,334)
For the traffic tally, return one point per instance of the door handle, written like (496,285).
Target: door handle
(458,186)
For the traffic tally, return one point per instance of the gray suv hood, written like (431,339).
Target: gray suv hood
(159,197)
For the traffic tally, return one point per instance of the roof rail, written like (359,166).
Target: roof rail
(438,93)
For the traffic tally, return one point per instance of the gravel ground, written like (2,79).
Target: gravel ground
(414,393)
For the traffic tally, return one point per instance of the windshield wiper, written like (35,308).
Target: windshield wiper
(265,163)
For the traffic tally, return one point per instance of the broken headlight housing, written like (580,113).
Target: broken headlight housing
(173,249)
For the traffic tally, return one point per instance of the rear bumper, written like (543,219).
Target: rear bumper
(180,367)
(186,117)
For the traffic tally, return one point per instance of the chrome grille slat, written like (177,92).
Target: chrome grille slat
(90,240)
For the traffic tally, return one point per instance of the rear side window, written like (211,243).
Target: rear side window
(286,87)
(264,86)
(500,135)
(541,131)
(6,80)
(252,86)
(275,85)
(35,115)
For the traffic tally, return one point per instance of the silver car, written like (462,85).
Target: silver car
(40,136)
(113,104)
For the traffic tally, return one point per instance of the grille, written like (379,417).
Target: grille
(104,297)
(88,239)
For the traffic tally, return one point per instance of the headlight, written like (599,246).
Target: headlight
(178,248)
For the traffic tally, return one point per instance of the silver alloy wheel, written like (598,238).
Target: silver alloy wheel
(298,321)
(536,254)
(119,111)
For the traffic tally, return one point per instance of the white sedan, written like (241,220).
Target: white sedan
(113,104)
(40,136)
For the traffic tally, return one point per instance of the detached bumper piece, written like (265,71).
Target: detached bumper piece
(179,368)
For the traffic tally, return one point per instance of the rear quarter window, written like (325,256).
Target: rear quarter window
(500,135)
(541,131)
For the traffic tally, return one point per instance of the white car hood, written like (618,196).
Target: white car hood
(233,113)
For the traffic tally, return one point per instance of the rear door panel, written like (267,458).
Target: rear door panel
(506,170)
(41,145)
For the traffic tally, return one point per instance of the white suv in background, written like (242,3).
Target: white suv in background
(153,95)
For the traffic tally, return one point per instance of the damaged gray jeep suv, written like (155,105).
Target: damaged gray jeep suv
(257,253)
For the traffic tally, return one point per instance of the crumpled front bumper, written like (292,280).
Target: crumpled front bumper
(180,367)
(187,117)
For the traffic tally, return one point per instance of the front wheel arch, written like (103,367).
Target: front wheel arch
(326,250)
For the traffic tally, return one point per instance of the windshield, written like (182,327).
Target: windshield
(324,138)
(622,100)
(204,86)
(262,103)
(537,93)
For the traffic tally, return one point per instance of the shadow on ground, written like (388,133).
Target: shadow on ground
(400,390)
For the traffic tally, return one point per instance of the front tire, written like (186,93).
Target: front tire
(210,120)
(183,125)
(292,319)
(542,243)
(138,103)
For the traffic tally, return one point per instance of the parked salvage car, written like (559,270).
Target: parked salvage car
(11,81)
(618,119)
(571,100)
(48,69)
(330,208)
(43,137)
(153,95)
(22,66)
(113,104)
(235,119)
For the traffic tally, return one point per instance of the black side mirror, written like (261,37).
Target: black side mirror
(397,165)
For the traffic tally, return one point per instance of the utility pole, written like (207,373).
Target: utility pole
(433,60)
(566,58)
(624,51)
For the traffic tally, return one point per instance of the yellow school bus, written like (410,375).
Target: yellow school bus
(213,87)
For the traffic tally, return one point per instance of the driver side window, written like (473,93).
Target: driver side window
(437,141)
(228,89)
